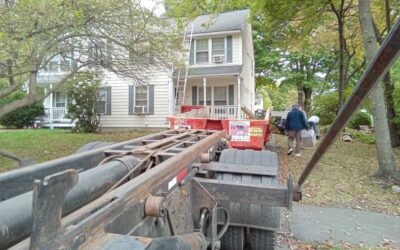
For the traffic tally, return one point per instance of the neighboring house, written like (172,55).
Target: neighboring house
(219,74)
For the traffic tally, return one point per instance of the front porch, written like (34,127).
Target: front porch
(54,117)
(55,109)
(221,96)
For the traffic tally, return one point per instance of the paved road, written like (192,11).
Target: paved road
(318,224)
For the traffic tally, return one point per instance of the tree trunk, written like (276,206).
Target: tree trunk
(391,113)
(307,99)
(341,63)
(389,88)
(300,95)
(386,161)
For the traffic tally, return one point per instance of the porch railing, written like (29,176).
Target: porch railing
(55,114)
(223,112)
(217,112)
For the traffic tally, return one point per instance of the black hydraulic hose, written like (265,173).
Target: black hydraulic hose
(226,222)
(16,212)
(376,70)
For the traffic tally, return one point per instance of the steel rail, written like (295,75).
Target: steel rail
(144,184)
(376,70)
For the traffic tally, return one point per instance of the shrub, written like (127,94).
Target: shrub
(361,118)
(368,138)
(22,117)
(84,91)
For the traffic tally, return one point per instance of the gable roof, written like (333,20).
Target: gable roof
(227,21)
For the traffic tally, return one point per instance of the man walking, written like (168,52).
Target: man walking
(295,123)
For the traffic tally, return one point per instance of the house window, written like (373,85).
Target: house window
(202,51)
(220,95)
(65,66)
(141,99)
(53,66)
(208,95)
(102,101)
(218,46)
(60,99)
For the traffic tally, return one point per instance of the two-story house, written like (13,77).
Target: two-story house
(219,73)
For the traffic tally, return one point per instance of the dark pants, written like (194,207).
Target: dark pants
(292,136)
(314,126)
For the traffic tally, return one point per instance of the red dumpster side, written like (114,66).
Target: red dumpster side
(244,133)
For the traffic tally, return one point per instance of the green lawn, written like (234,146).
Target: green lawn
(43,144)
(343,177)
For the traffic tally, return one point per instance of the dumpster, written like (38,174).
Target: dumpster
(244,132)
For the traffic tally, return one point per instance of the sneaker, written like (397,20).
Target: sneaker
(297,155)
(290,151)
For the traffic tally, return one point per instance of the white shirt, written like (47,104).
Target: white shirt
(314,119)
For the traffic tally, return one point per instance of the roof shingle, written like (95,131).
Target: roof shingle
(227,21)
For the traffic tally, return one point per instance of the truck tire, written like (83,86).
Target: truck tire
(233,239)
(262,239)
(93,145)
(259,239)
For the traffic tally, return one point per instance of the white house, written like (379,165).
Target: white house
(219,73)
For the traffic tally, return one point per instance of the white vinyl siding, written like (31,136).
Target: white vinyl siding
(237,49)
(121,118)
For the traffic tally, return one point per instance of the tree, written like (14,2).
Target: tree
(115,35)
(386,160)
(388,11)
(83,89)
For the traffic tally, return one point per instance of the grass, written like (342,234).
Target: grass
(343,177)
(43,144)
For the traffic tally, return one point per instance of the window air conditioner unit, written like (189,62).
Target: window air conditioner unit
(218,59)
(140,110)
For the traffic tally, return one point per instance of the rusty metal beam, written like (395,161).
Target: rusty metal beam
(376,70)
(155,180)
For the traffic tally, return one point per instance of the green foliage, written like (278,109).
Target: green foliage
(396,93)
(325,107)
(36,34)
(274,97)
(22,117)
(360,118)
(84,91)
(368,138)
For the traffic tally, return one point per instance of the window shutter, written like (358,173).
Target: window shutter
(131,97)
(231,95)
(194,95)
(191,56)
(229,49)
(108,101)
(151,99)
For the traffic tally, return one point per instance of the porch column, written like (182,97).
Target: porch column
(205,91)
(51,104)
(239,113)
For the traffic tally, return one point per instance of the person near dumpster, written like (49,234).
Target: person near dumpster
(313,123)
(295,123)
